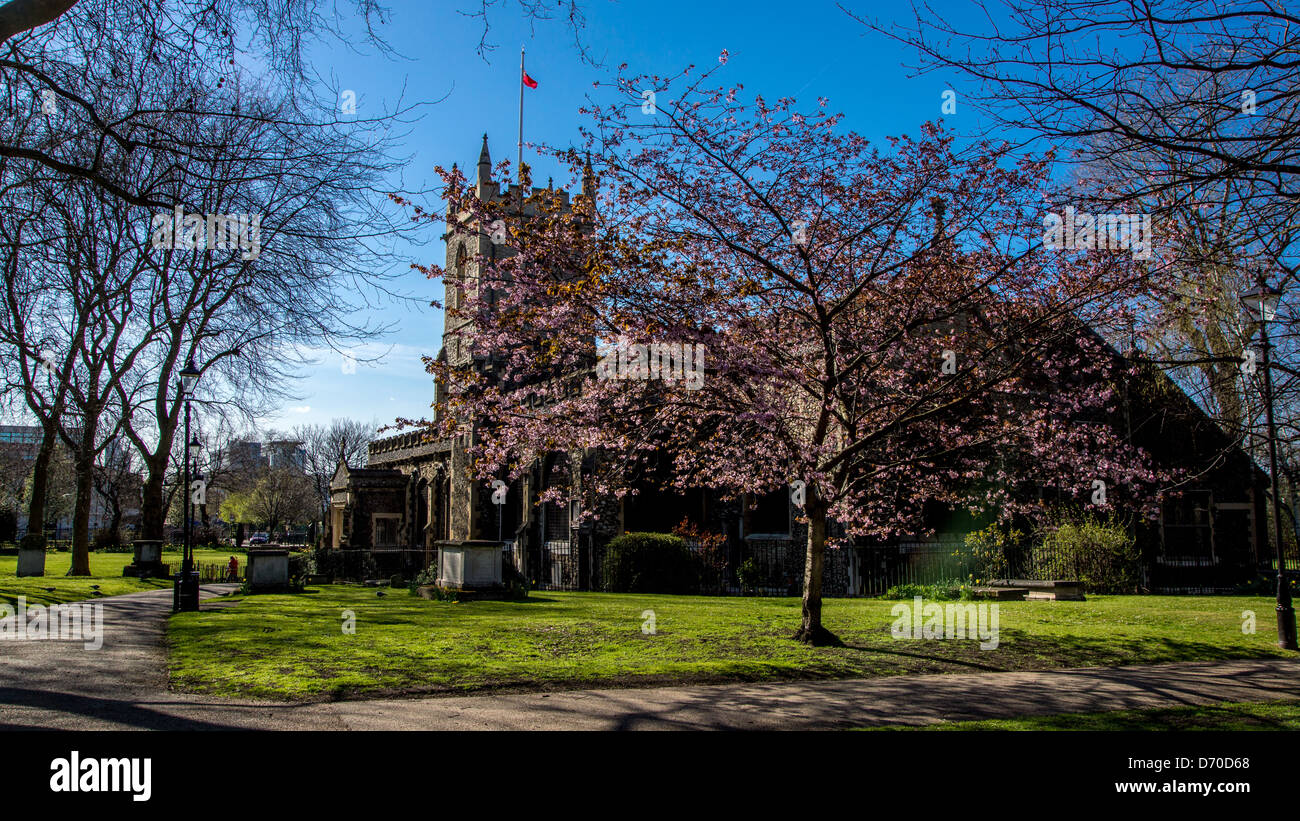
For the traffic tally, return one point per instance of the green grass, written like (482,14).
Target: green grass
(1227,715)
(292,646)
(105,571)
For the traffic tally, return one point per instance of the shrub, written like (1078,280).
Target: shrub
(946,590)
(989,551)
(651,563)
(301,566)
(748,575)
(207,536)
(516,584)
(444,594)
(1094,550)
(425,577)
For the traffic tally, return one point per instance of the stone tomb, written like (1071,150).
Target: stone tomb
(1047,589)
(147,562)
(267,570)
(470,566)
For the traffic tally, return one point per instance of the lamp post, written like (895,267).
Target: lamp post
(1263,301)
(186,594)
(195,449)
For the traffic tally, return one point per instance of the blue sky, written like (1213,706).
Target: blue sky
(806,50)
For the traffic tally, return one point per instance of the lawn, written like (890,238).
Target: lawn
(1227,715)
(294,647)
(106,572)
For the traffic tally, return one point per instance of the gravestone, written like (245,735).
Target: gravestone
(31,561)
(147,561)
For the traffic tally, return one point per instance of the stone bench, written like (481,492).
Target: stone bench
(1047,589)
(999,593)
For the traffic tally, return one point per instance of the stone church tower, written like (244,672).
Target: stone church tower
(486,242)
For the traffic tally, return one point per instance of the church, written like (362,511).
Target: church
(415,499)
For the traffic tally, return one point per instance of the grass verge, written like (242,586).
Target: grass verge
(295,646)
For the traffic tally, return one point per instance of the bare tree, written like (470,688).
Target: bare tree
(78,57)
(82,299)
(244,317)
(341,441)
(1187,110)
(117,483)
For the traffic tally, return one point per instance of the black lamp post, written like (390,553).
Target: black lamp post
(1262,302)
(195,450)
(186,595)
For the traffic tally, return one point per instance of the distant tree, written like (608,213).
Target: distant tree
(117,484)
(342,440)
(275,497)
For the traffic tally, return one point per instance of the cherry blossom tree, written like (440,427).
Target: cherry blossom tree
(879,327)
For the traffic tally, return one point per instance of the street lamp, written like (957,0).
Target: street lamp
(1261,308)
(186,593)
(195,450)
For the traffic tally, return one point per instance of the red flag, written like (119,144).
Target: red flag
(529,81)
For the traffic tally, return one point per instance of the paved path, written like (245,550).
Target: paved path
(62,684)
(59,684)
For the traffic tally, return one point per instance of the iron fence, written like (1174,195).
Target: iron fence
(213,572)
(559,568)
(874,569)
(405,562)
(361,564)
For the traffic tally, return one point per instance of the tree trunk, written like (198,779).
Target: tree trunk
(81,515)
(153,513)
(40,489)
(811,631)
(115,524)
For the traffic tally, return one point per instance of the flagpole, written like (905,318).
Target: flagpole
(519,170)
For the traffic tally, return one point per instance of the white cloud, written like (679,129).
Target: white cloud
(301,409)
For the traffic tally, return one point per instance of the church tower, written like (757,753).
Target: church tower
(465,249)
